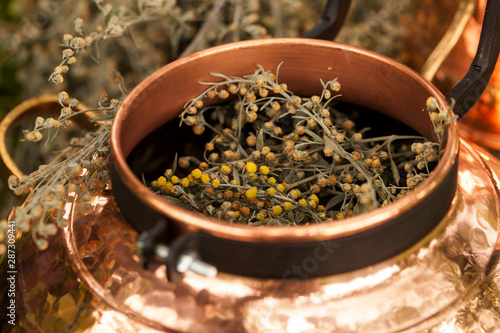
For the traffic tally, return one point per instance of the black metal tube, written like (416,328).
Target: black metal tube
(331,20)
(467,92)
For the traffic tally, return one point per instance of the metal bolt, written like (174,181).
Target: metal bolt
(187,261)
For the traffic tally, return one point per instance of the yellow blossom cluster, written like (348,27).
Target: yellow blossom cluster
(277,158)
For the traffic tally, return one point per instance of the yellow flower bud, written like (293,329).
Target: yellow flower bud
(271,180)
(295,194)
(251,167)
(314,197)
(162,181)
(264,170)
(251,193)
(185,182)
(205,178)
(225,169)
(196,173)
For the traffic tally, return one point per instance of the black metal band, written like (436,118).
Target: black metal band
(300,260)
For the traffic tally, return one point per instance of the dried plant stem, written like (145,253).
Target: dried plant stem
(280,159)
(198,41)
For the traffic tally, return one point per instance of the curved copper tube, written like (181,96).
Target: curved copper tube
(455,30)
(31,108)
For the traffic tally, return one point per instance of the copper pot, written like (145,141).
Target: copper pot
(369,80)
(446,281)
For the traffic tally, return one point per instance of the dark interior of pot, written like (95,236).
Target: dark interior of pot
(369,81)
(152,155)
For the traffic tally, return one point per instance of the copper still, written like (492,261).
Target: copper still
(426,263)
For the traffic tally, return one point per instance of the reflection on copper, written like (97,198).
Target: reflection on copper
(448,326)
(153,309)
(222,286)
(467,181)
(340,289)
(99,201)
(96,288)
(482,123)
(109,321)
(417,290)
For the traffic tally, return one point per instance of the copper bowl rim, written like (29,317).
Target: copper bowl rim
(330,230)
(32,107)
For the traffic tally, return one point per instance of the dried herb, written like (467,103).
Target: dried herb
(276,158)
(99,48)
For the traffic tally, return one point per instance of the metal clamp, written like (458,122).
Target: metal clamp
(178,260)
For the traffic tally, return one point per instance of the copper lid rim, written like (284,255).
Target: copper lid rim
(195,221)
(40,105)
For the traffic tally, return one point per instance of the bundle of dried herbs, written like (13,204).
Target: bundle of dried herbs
(276,158)
(93,52)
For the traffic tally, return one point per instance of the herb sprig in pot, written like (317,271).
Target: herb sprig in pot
(279,159)
(367,80)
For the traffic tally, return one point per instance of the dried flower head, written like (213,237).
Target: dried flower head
(315,167)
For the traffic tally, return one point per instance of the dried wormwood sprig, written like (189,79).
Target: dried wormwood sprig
(280,159)
(84,170)
(243,21)
(119,19)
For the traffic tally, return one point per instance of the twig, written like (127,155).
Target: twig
(198,40)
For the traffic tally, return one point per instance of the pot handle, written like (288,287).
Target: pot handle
(331,20)
(467,92)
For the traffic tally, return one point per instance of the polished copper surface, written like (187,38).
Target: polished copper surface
(367,79)
(482,123)
(450,274)
(91,280)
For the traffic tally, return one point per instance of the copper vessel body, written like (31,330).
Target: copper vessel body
(448,275)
